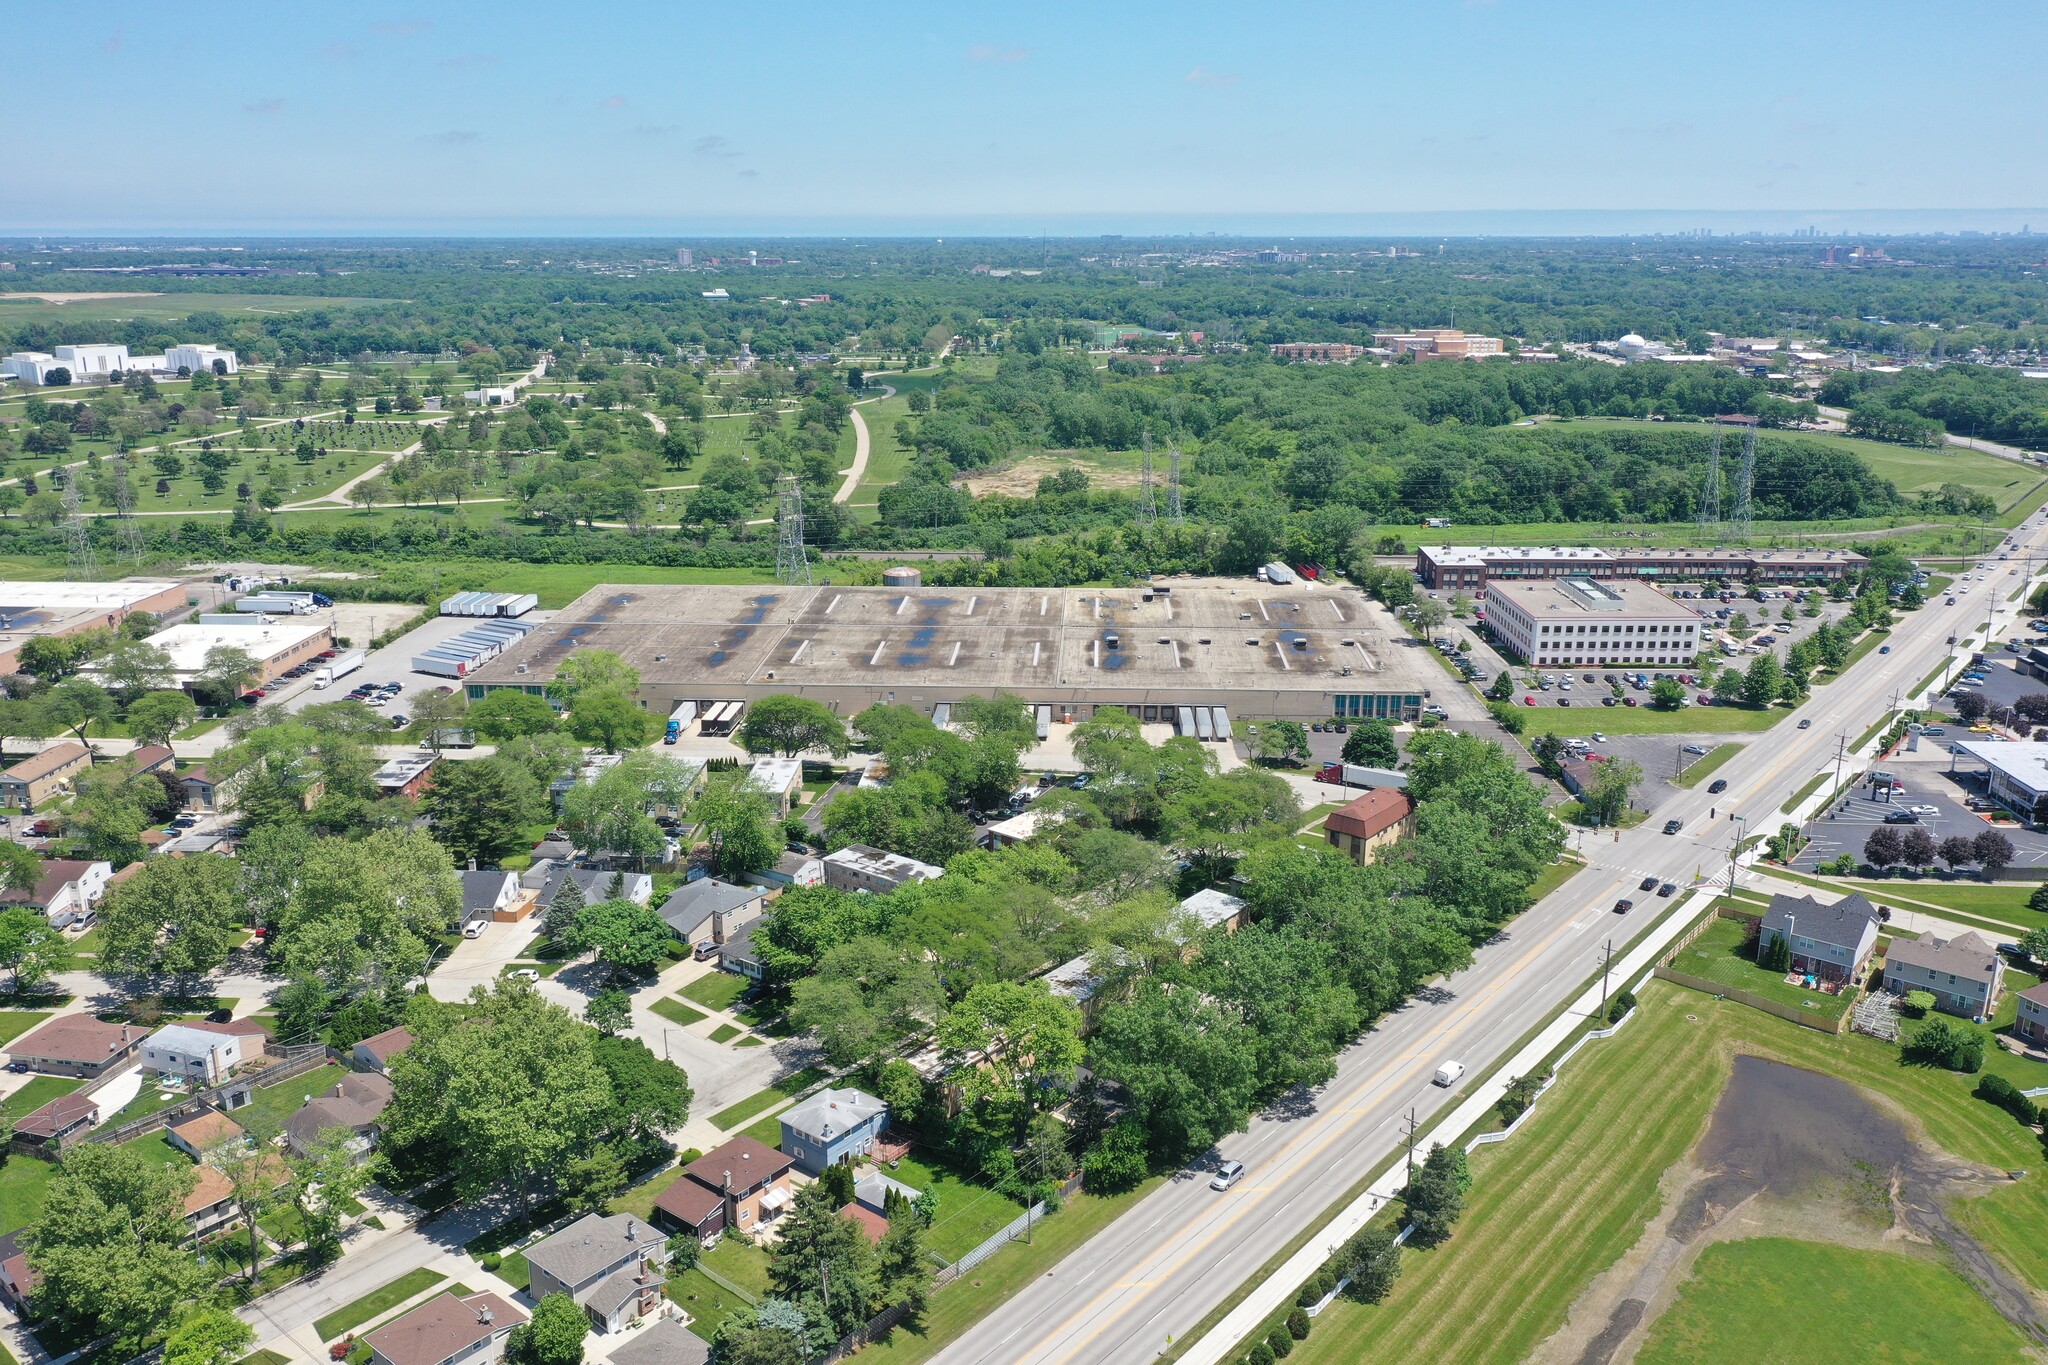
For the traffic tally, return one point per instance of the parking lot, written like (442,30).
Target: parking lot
(1927,783)
(2004,683)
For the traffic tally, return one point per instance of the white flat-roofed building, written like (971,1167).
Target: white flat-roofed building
(93,361)
(1570,622)
(31,367)
(1472,568)
(275,642)
(2016,771)
(192,358)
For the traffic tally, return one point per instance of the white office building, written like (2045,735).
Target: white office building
(194,358)
(1573,622)
(30,367)
(97,363)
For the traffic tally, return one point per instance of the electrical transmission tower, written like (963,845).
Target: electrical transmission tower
(1745,485)
(82,562)
(792,564)
(1173,512)
(1148,510)
(1710,495)
(127,528)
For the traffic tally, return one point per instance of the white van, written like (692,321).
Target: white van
(1228,1174)
(1449,1074)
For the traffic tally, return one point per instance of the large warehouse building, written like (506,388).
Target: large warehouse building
(1471,568)
(1258,650)
(34,608)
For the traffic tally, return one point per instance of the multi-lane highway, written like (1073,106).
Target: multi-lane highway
(1148,1279)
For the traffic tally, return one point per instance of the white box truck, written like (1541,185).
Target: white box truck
(340,666)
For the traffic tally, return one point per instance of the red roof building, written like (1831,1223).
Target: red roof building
(1364,826)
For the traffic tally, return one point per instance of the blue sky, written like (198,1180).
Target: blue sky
(617,117)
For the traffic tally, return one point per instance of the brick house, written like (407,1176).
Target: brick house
(613,1266)
(42,778)
(77,1045)
(446,1330)
(1366,825)
(741,1184)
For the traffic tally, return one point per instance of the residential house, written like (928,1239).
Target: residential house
(152,758)
(356,1103)
(408,775)
(738,954)
(1964,972)
(1365,825)
(211,1205)
(1828,942)
(77,1045)
(709,910)
(1020,828)
(595,884)
(666,1342)
(613,1265)
(832,1126)
(255,1038)
(859,867)
(17,1281)
(1577,774)
(2031,1026)
(740,1184)
(871,1223)
(199,1057)
(375,1052)
(202,793)
(791,869)
(68,891)
(493,894)
(779,779)
(873,1189)
(446,1330)
(1078,981)
(41,778)
(54,1127)
(203,1132)
(1215,909)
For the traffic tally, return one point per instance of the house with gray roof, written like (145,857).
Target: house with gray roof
(613,1266)
(709,910)
(595,884)
(355,1104)
(667,1342)
(489,894)
(832,1126)
(1964,973)
(1829,942)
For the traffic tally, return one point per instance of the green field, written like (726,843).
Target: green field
(24,1180)
(1769,1299)
(2002,901)
(1644,720)
(732,1116)
(677,1012)
(38,1092)
(968,1214)
(706,1301)
(1719,956)
(18,311)
(716,990)
(1707,766)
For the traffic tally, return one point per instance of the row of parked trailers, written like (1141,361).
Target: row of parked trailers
(721,717)
(489,604)
(1211,724)
(461,655)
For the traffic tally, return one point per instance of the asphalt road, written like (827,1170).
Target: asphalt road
(1151,1276)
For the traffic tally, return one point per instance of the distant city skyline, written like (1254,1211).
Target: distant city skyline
(636,118)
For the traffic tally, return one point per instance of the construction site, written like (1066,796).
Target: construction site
(1255,650)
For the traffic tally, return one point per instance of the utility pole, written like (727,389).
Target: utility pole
(1411,1146)
(1735,846)
(1606,966)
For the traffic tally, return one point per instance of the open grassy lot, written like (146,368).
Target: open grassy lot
(1572,1190)
(740,1261)
(1770,1299)
(968,1214)
(273,1104)
(14,1023)
(1706,767)
(708,1302)
(2006,902)
(1719,956)
(1644,720)
(163,305)
(375,1302)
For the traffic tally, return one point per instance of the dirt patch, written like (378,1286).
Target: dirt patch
(1020,478)
(1789,1153)
(72,298)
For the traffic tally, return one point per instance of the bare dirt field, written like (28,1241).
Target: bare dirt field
(1020,480)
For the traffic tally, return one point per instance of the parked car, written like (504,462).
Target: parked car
(704,951)
(474,929)
(524,974)
(1695,748)
(1228,1174)
(1902,817)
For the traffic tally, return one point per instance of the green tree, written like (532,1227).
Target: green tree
(737,822)
(320,1185)
(1371,744)
(365,912)
(1372,1262)
(791,725)
(176,918)
(630,939)
(131,667)
(481,808)
(227,672)
(20,868)
(207,1336)
(110,1245)
(155,716)
(1614,782)
(816,1243)
(1281,741)
(552,1336)
(558,920)
(610,1011)
(903,1265)
(436,715)
(30,949)
(1763,679)
(611,720)
(1020,1043)
(651,1094)
(1435,1196)
(1667,694)
(1188,1065)
(508,713)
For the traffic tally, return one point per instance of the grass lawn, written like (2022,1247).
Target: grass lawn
(1718,955)
(375,1302)
(38,1092)
(23,1182)
(2001,901)
(732,1116)
(1705,768)
(1772,1299)
(968,1214)
(14,1023)
(639,1200)
(1870,641)
(273,1104)
(677,1011)
(156,1147)
(751,1041)
(1571,1192)
(1645,720)
(264,1358)
(725,1033)
(965,1302)
(513,1269)
(706,1301)
(766,1130)
(716,990)
(745,1264)
(1552,877)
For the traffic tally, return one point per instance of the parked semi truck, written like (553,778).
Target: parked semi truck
(340,666)
(680,720)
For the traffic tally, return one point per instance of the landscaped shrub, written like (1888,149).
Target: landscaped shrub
(492,1260)
(1619,1006)
(1261,1354)
(1308,1294)
(1917,1004)
(1282,1345)
(1298,1325)
(687,1155)
(1947,1043)
(1117,1162)
(2003,1093)
(1372,1259)
(1775,955)
(1520,1094)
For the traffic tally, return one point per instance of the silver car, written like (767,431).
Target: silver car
(1228,1174)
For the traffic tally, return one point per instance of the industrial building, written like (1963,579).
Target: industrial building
(1292,651)
(1470,568)
(28,610)
(276,643)
(100,362)
(1438,343)
(1573,622)
(489,604)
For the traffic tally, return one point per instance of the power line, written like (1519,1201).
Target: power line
(1745,485)
(82,561)
(792,564)
(1710,495)
(1173,512)
(1148,509)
